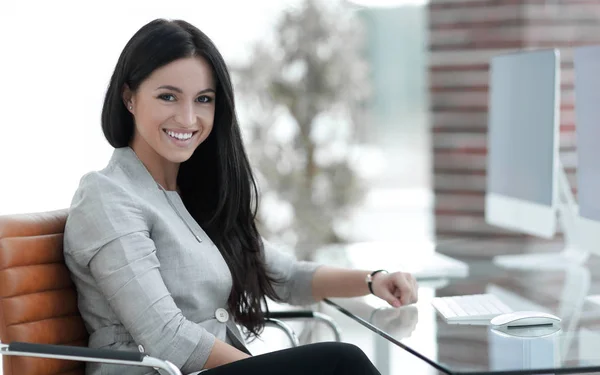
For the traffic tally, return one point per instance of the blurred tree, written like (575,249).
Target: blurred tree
(302,100)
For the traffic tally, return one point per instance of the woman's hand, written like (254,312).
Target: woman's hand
(222,354)
(397,289)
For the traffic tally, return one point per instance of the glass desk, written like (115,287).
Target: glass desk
(574,347)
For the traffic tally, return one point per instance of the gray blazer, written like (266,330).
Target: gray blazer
(148,277)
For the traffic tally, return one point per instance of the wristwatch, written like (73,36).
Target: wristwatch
(369,279)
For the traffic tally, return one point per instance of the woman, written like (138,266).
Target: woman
(162,243)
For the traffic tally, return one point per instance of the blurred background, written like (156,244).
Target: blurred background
(332,99)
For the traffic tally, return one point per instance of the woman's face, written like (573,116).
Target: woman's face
(174,109)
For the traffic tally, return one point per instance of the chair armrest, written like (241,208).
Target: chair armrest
(78,353)
(286,329)
(297,314)
(307,314)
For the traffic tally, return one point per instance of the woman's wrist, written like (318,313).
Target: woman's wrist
(371,277)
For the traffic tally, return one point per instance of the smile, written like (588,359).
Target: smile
(179,136)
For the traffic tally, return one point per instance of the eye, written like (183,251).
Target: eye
(204,99)
(167,97)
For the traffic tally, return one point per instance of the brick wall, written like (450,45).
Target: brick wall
(464,35)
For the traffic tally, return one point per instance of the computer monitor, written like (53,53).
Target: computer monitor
(587,116)
(586,61)
(523,141)
(526,184)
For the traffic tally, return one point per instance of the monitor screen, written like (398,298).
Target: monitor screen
(587,112)
(522,129)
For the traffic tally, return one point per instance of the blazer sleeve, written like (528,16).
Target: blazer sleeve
(295,286)
(109,234)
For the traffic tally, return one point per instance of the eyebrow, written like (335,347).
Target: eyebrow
(177,89)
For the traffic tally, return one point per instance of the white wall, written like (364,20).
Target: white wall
(56,58)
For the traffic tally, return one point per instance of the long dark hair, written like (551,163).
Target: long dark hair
(216,183)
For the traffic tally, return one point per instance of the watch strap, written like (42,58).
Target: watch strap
(370,279)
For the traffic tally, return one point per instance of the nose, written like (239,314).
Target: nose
(186,115)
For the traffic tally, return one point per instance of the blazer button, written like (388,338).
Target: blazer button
(141,348)
(222,315)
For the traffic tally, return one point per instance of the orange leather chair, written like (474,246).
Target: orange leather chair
(38,303)
(41,330)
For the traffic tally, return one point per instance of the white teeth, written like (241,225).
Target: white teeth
(181,136)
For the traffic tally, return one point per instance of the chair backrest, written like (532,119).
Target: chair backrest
(38,301)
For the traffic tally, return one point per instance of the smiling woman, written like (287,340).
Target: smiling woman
(162,244)
(169,88)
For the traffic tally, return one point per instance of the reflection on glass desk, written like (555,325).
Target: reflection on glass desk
(571,347)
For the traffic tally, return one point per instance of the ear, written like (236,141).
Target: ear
(127,96)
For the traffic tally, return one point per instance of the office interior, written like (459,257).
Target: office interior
(462,139)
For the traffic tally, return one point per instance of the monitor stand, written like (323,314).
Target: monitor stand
(573,251)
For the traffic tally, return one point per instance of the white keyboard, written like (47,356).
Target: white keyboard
(470,308)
